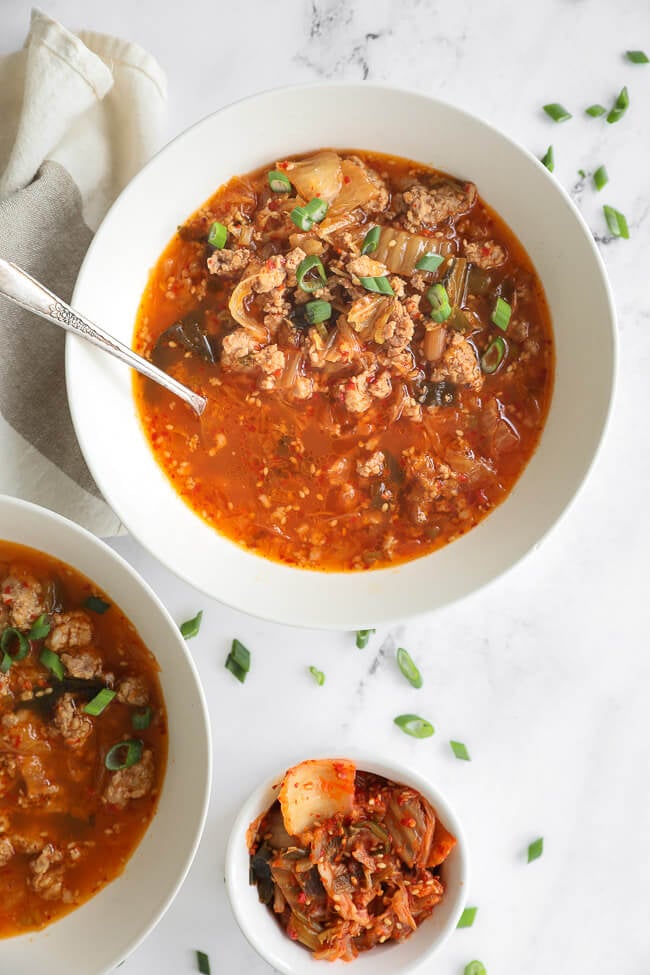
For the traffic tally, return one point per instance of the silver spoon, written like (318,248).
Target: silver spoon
(24,290)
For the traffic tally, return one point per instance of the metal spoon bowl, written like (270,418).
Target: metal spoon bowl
(20,287)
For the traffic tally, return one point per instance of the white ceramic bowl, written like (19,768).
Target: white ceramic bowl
(99,935)
(264,933)
(267,127)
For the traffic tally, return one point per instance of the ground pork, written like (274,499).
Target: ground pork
(74,726)
(86,665)
(237,346)
(459,364)
(46,876)
(373,466)
(427,207)
(356,397)
(485,253)
(69,630)
(229,263)
(271,275)
(271,361)
(276,308)
(366,267)
(131,783)
(380,386)
(294,257)
(22,595)
(133,691)
(6,851)
(411,409)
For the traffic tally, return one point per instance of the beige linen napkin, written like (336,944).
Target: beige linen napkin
(79,115)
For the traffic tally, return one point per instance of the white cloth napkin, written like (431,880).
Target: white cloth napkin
(79,115)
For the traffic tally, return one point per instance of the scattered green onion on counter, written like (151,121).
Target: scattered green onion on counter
(191,627)
(600,177)
(362,638)
(318,675)
(238,661)
(621,106)
(460,751)
(408,668)
(637,57)
(414,725)
(616,222)
(475,968)
(595,111)
(203,963)
(557,112)
(467,917)
(548,159)
(536,849)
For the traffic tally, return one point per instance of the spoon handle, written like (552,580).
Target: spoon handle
(21,288)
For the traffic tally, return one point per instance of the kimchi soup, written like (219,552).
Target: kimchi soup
(83,739)
(376,352)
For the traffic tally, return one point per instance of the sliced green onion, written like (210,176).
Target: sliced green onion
(362,638)
(279,181)
(621,106)
(595,110)
(415,726)
(600,178)
(557,112)
(637,57)
(379,285)
(460,750)
(467,917)
(40,628)
(316,209)
(548,159)
(429,262)
(124,754)
(191,627)
(317,311)
(493,355)
(370,241)
(140,720)
(301,218)
(203,963)
(475,968)
(408,668)
(6,663)
(315,280)
(52,661)
(217,235)
(13,636)
(238,661)
(536,849)
(439,301)
(581,173)
(97,605)
(318,675)
(616,222)
(100,702)
(501,314)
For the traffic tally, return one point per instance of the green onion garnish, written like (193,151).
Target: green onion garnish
(413,725)
(408,668)
(595,110)
(475,968)
(637,57)
(379,285)
(11,637)
(100,702)
(467,917)
(581,173)
(317,311)
(439,301)
(362,638)
(279,181)
(217,235)
(203,963)
(557,112)
(124,754)
(316,279)
(52,661)
(318,675)
(6,663)
(140,720)
(301,218)
(370,241)
(238,661)
(536,849)
(501,314)
(97,605)
(460,750)
(616,222)
(600,178)
(548,159)
(621,106)
(429,262)
(40,628)
(316,209)
(493,355)
(191,627)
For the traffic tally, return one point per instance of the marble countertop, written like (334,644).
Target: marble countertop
(546,675)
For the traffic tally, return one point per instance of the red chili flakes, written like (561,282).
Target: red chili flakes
(346,179)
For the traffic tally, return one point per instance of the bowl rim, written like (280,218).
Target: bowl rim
(9,502)
(383,618)
(396,771)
